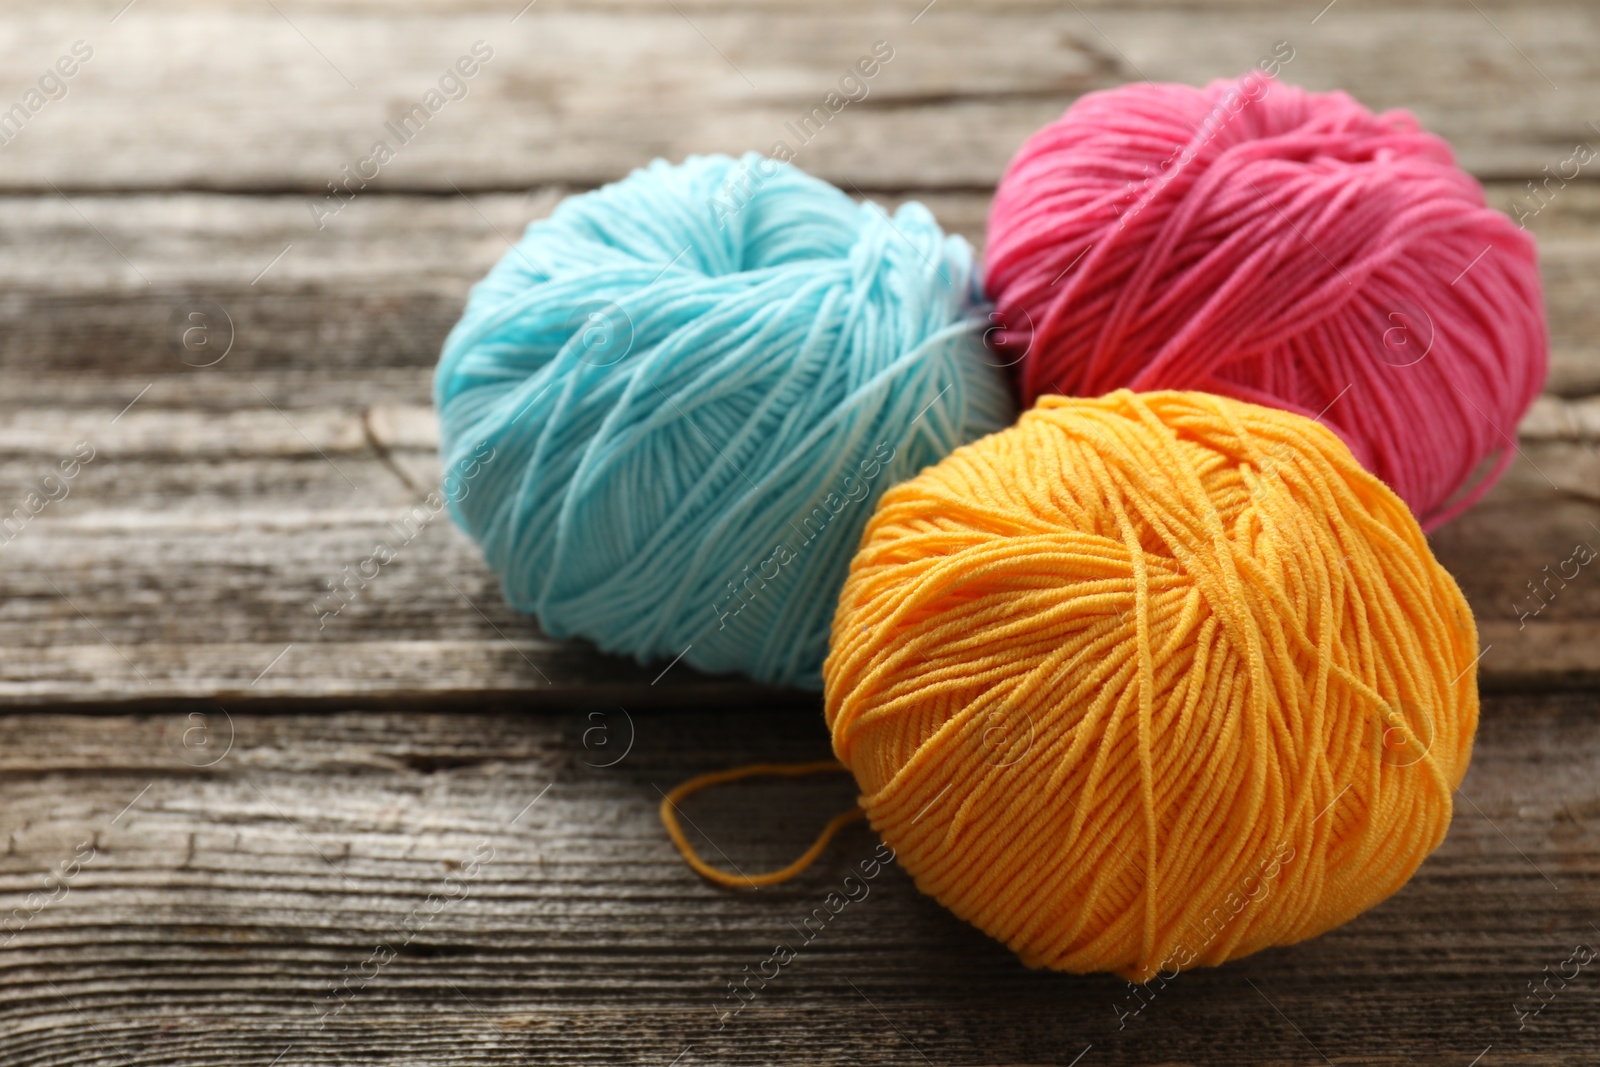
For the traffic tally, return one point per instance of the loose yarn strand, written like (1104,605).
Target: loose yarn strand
(669,819)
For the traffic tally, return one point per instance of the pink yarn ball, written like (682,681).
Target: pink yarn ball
(1282,247)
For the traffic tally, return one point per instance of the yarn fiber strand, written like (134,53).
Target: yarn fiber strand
(1150,681)
(694,384)
(668,811)
(1288,248)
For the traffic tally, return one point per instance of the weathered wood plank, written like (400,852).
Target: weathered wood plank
(382,287)
(195,547)
(233,886)
(244,97)
(226,496)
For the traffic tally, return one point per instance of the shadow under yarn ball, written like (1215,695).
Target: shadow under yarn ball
(667,414)
(1287,248)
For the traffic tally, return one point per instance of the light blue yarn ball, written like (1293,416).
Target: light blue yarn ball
(668,413)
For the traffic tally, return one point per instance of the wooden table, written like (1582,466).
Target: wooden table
(423,833)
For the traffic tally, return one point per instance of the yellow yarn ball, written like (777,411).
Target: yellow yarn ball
(1152,681)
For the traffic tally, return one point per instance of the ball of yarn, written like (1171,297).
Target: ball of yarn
(669,410)
(1152,681)
(1288,248)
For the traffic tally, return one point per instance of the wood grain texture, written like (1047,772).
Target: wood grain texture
(380,286)
(270,796)
(195,547)
(274,97)
(231,888)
